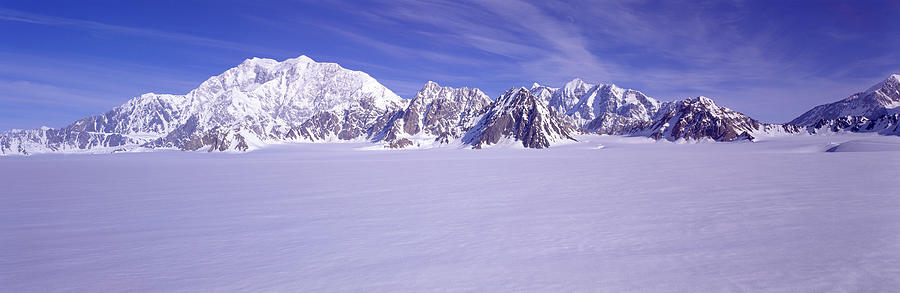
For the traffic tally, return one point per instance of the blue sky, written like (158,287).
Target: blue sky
(62,60)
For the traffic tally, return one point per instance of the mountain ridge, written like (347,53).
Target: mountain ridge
(263,101)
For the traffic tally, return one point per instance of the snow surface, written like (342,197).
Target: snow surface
(779,215)
(863,145)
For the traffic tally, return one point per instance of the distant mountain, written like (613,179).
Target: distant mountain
(263,101)
(609,109)
(260,101)
(876,109)
(880,99)
(700,118)
(519,116)
(436,115)
(601,108)
(886,124)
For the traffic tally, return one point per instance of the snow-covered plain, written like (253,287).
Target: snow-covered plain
(609,214)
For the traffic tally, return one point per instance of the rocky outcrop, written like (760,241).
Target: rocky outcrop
(886,124)
(608,109)
(519,116)
(700,118)
(601,108)
(355,123)
(436,115)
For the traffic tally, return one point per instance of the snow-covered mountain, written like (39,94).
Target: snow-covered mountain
(519,116)
(257,102)
(876,110)
(263,101)
(700,118)
(886,124)
(600,108)
(609,109)
(880,99)
(436,115)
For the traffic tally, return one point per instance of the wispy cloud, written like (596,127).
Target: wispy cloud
(668,49)
(87,25)
(538,45)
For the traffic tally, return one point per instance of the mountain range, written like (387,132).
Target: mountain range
(263,101)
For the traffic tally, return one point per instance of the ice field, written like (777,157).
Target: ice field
(608,214)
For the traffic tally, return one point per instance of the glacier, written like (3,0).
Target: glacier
(795,213)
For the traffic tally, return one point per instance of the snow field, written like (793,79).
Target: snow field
(779,215)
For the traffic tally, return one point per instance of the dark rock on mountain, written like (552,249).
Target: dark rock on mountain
(519,116)
(436,115)
(701,118)
(886,124)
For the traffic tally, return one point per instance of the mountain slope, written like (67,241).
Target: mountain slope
(886,124)
(435,115)
(519,116)
(601,108)
(882,98)
(700,118)
(608,109)
(263,101)
(875,110)
(259,101)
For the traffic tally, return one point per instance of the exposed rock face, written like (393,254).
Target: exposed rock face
(882,98)
(700,118)
(264,101)
(608,109)
(886,124)
(519,116)
(354,123)
(435,115)
(602,108)
(259,100)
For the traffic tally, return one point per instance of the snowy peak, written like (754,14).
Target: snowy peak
(576,86)
(608,109)
(436,115)
(519,116)
(877,110)
(270,101)
(881,99)
(700,118)
(888,84)
(263,101)
(257,102)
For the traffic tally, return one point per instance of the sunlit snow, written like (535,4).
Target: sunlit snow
(607,214)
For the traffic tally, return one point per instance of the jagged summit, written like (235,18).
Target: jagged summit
(599,108)
(519,116)
(892,81)
(436,115)
(700,118)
